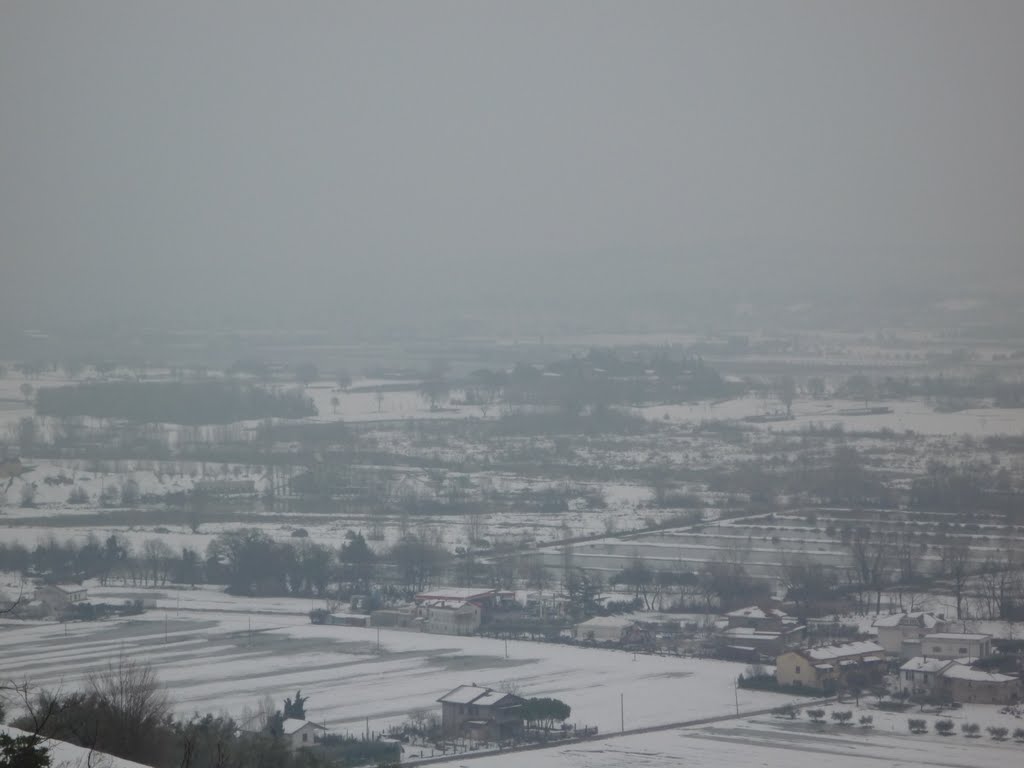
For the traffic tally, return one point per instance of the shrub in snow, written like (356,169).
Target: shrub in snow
(109,496)
(130,493)
(866,721)
(843,718)
(786,711)
(997,732)
(28,495)
(1018,734)
(917,725)
(944,727)
(78,495)
(816,715)
(971,730)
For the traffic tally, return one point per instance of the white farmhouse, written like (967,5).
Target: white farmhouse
(900,634)
(956,645)
(923,676)
(300,733)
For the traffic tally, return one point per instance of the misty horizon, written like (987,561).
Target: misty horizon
(372,167)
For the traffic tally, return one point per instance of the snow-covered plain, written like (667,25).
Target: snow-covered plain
(766,742)
(212,662)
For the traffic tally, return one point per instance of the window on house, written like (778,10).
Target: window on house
(798,670)
(962,650)
(304,736)
(936,649)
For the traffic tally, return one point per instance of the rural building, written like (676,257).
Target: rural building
(300,733)
(604,629)
(829,666)
(485,598)
(59,596)
(395,618)
(955,645)
(900,634)
(756,617)
(482,714)
(922,676)
(450,617)
(966,685)
(764,642)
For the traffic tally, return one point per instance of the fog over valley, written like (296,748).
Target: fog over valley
(587,384)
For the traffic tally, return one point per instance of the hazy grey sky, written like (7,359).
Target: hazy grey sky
(336,163)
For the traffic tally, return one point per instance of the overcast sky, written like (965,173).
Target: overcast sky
(374,164)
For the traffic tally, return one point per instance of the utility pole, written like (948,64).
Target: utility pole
(506,647)
(378,638)
(736,694)
(622,713)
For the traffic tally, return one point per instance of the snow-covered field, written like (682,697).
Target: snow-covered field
(211,662)
(767,742)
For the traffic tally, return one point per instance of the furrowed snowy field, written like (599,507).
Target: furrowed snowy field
(210,661)
(766,742)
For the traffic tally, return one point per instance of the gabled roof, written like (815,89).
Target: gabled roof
(481,697)
(456,593)
(835,652)
(921,664)
(757,612)
(293,724)
(65,588)
(607,621)
(962,672)
(916,619)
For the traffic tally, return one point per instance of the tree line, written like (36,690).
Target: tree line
(175,402)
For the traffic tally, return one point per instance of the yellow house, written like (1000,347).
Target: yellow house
(828,666)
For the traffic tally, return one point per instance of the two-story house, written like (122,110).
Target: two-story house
(900,634)
(481,713)
(829,667)
(956,645)
(60,596)
(921,676)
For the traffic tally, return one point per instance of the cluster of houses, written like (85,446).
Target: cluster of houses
(445,611)
(935,662)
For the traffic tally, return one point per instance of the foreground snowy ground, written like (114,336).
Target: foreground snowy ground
(765,742)
(211,661)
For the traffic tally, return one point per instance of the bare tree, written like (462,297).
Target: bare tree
(956,562)
(871,559)
(785,389)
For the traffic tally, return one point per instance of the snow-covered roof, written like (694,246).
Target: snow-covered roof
(490,698)
(607,621)
(449,605)
(957,636)
(962,672)
(293,725)
(830,652)
(918,618)
(756,612)
(65,588)
(763,634)
(455,593)
(464,694)
(921,664)
(474,694)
